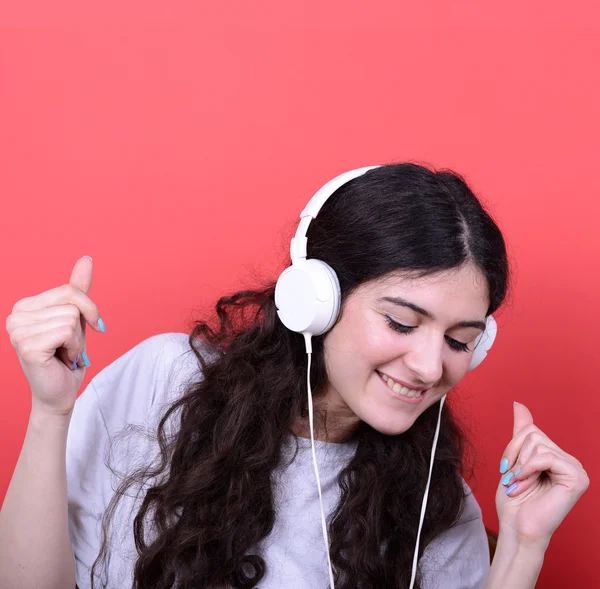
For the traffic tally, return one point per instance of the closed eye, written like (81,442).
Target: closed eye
(406,329)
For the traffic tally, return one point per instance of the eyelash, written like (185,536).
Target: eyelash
(405,329)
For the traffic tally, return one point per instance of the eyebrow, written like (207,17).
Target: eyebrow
(404,303)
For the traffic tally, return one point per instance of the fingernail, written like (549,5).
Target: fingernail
(101,325)
(505,480)
(511,488)
(90,257)
(76,362)
(503,465)
(86,360)
(517,471)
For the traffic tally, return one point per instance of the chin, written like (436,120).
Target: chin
(390,427)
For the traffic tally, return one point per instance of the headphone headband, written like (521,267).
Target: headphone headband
(311,210)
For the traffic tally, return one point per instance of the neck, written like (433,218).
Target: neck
(328,427)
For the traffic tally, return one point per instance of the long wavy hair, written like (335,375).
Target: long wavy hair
(212,499)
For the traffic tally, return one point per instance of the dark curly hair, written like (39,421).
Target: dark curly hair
(214,501)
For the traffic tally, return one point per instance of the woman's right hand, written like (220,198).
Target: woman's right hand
(48,333)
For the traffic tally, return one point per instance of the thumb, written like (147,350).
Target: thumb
(81,275)
(522,417)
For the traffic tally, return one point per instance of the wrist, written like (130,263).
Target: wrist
(42,420)
(517,562)
(521,543)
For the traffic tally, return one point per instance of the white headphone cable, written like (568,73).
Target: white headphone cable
(424,504)
(307,339)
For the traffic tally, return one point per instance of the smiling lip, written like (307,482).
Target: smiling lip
(404,384)
(410,400)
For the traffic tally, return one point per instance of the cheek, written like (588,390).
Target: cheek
(355,348)
(373,343)
(372,332)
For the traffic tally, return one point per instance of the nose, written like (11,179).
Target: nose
(424,360)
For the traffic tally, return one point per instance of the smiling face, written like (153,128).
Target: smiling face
(400,330)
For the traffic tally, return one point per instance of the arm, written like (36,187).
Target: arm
(35,550)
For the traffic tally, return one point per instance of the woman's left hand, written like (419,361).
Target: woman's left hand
(548,485)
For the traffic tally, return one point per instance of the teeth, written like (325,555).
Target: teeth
(398,388)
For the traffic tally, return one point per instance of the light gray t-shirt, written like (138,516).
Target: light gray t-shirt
(135,389)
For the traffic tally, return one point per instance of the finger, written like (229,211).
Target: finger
(22,326)
(41,348)
(513,449)
(20,319)
(81,275)
(70,351)
(558,469)
(509,478)
(520,485)
(522,425)
(532,441)
(546,458)
(521,417)
(524,444)
(66,294)
(24,332)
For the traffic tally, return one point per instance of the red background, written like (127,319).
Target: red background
(178,145)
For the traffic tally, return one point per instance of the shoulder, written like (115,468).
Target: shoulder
(471,510)
(150,359)
(146,377)
(459,557)
(132,389)
(136,387)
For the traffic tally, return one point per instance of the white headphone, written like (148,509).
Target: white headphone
(308,300)
(307,294)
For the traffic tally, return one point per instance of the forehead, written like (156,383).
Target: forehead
(461,290)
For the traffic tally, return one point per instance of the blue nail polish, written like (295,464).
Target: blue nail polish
(505,480)
(517,471)
(86,360)
(74,368)
(101,325)
(504,465)
(511,488)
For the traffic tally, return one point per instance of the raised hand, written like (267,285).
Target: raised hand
(48,333)
(546,483)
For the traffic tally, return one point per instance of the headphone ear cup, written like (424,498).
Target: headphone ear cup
(483,343)
(307,296)
(336,296)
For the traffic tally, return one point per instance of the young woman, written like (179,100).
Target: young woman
(210,480)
